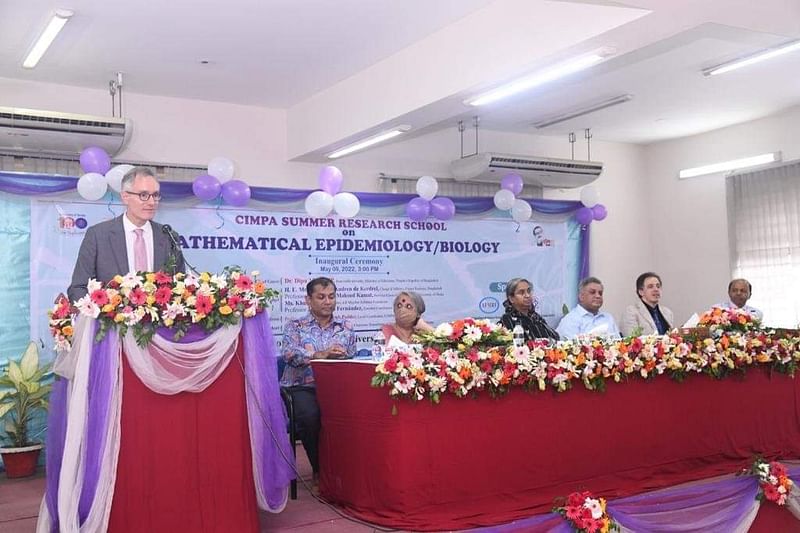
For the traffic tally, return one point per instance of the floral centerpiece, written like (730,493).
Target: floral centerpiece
(145,301)
(719,319)
(774,484)
(586,514)
(466,333)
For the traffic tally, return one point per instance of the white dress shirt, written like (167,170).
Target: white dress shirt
(130,238)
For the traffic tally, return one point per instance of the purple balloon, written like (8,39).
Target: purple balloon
(236,193)
(443,208)
(418,209)
(512,182)
(599,212)
(206,187)
(330,180)
(95,159)
(584,216)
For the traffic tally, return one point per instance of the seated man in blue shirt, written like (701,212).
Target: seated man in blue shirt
(586,317)
(317,335)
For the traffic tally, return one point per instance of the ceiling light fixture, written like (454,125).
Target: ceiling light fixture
(57,21)
(579,112)
(735,164)
(369,141)
(543,76)
(763,55)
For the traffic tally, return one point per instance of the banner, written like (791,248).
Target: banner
(460,266)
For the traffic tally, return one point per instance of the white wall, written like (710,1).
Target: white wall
(688,217)
(192,131)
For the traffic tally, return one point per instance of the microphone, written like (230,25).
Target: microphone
(176,247)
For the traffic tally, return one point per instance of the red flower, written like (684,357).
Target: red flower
(770,492)
(163,295)
(234,300)
(244,282)
(137,296)
(163,279)
(203,304)
(390,364)
(99,297)
(777,469)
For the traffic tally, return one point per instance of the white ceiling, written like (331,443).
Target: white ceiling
(346,68)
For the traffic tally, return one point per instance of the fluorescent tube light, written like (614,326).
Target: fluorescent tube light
(541,77)
(369,141)
(579,112)
(59,18)
(735,164)
(769,53)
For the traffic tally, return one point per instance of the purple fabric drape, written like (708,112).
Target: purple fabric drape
(54,446)
(266,411)
(103,372)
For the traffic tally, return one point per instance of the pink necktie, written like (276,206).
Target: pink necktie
(139,251)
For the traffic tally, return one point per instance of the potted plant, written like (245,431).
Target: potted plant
(22,393)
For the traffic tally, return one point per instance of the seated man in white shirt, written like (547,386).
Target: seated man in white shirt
(739,291)
(586,317)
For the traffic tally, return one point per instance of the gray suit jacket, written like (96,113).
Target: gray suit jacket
(638,315)
(103,255)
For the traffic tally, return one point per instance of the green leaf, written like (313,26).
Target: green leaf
(32,386)
(30,361)
(4,408)
(14,373)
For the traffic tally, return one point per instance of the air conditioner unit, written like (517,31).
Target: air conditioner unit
(30,131)
(537,171)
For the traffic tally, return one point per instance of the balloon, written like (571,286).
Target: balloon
(221,168)
(512,182)
(599,212)
(427,187)
(346,204)
(95,159)
(418,209)
(443,208)
(584,216)
(504,199)
(206,187)
(319,204)
(330,180)
(115,175)
(589,196)
(92,186)
(521,211)
(236,193)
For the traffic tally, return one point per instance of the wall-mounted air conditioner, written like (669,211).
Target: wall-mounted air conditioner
(30,131)
(537,171)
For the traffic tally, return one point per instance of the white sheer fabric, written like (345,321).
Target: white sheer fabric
(764,239)
(167,367)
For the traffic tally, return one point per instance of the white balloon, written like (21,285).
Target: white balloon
(221,168)
(115,175)
(346,204)
(504,199)
(589,196)
(521,211)
(427,187)
(92,186)
(319,204)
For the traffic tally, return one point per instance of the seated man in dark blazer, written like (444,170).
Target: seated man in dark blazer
(129,243)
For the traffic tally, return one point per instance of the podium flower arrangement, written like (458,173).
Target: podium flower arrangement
(145,301)
(774,484)
(450,362)
(719,320)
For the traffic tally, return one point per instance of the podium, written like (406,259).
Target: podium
(178,436)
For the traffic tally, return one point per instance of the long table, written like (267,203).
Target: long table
(481,461)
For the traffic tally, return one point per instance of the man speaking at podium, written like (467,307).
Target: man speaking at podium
(129,243)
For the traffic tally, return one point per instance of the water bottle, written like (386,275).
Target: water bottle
(518,334)
(378,342)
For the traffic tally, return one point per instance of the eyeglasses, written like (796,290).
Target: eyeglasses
(400,305)
(144,195)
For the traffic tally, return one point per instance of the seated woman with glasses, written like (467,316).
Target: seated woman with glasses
(520,310)
(408,309)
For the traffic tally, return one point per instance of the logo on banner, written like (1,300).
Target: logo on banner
(541,240)
(72,223)
(488,305)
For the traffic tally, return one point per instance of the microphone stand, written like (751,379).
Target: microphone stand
(175,250)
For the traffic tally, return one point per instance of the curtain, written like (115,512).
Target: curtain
(764,239)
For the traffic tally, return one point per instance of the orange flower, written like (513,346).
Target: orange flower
(465,373)
(67,331)
(259,287)
(494,356)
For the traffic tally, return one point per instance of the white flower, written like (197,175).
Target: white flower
(87,307)
(205,289)
(93,285)
(473,333)
(451,358)
(130,280)
(219,281)
(594,506)
(173,310)
(191,280)
(437,384)
(443,330)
